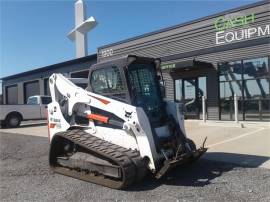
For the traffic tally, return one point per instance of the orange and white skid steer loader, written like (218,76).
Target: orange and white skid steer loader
(119,128)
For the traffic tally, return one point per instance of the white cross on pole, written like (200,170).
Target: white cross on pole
(82,26)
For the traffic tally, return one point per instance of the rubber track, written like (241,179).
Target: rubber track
(132,165)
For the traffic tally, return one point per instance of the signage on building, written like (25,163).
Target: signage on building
(225,34)
(106,52)
(167,66)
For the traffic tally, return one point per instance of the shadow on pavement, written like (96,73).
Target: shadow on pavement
(25,125)
(202,172)
(242,160)
(33,125)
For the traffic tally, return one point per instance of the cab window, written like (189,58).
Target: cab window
(107,81)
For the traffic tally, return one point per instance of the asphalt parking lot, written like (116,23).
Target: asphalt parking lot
(234,169)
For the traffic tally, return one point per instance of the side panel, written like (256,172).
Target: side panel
(27,111)
(116,136)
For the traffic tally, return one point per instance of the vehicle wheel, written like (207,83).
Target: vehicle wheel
(191,144)
(13,121)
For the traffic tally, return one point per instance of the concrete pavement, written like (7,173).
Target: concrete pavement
(26,176)
(249,147)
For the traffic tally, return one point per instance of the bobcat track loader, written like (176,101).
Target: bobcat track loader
(119,128)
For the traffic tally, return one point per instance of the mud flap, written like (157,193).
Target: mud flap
(183,159)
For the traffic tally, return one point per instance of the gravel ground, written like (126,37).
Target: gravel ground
(25,176)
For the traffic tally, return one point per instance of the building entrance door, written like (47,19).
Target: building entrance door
(190,98)
(190,92)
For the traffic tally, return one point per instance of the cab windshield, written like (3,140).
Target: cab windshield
(145,89)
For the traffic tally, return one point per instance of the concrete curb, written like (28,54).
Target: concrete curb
(240,124)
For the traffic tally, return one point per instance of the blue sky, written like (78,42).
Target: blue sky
(33,33)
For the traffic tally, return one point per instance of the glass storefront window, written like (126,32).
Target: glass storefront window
(190,89)
(252,88)
(257,110)
(256,88)
(230,71)
(230,88)
(227,91)
(178,90)
(227,109)
(257,99)
(202,86)
(255,68)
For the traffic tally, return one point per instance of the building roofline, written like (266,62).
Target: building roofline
(49,67)
(259,3)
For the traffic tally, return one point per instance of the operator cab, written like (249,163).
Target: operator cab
(137,81)
(133,80)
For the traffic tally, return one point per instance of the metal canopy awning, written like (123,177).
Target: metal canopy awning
(186,66)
